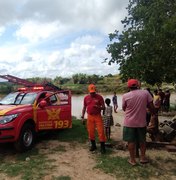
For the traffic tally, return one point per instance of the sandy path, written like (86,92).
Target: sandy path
(76,162)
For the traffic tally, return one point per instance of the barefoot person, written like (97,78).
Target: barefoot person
(108,118)
(134,103)
(94,104)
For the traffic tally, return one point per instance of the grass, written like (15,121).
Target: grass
(29,165)
(35,164)
(119,167)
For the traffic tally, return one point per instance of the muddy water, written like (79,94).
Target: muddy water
(77,103)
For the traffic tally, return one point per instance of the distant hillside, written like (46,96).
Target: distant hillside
(108,84)
(105,84)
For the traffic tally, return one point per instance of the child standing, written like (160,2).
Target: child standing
(114,100)
(108,118)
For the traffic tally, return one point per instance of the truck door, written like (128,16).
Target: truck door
(56,114)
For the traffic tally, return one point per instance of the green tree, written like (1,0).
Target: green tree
(75,78)
(146,49)
(79,78)
(6,87)
(94,78)
(57,80)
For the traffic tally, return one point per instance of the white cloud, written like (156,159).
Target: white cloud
(2,29)
(88,39)
(34,31)
(57,38)
(12,53)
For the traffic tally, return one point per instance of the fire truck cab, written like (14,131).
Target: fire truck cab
(32,109)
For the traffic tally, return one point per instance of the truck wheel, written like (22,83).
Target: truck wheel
(26,138)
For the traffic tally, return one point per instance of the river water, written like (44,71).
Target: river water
(77,103)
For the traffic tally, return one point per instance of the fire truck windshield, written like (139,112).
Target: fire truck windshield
(19,98)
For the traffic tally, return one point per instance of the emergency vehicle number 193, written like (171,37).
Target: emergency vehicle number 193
(61,124)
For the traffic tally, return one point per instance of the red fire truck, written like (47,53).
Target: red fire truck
(33,108)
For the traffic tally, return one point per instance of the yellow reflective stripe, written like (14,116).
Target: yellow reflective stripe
(3,111)
(35,111)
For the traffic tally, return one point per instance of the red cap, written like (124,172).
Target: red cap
(132,83)
(92,88)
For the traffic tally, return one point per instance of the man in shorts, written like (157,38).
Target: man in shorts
(134,103)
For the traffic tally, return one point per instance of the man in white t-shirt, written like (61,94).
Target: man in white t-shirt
(134,103)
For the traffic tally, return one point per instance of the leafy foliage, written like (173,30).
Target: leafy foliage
(146,49)
(84,78)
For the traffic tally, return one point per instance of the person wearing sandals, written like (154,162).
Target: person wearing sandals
(134,104)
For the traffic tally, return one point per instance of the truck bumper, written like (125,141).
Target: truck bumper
(7,134)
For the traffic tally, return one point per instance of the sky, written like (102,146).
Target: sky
(49,38)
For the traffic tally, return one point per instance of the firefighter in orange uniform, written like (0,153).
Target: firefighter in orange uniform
(94,104)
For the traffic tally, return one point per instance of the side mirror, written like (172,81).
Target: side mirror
(43,104)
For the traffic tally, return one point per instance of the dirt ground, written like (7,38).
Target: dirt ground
(78,163)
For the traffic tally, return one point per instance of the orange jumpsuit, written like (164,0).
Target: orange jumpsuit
(95,122)
(94,105)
